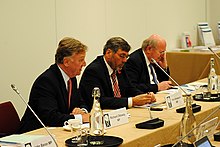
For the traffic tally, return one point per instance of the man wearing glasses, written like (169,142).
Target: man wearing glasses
(107,73)
(142,73)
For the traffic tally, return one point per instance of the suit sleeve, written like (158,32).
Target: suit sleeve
(51,107)
(161,76)
(139,77)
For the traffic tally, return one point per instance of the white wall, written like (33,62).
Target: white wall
(27,44)
(30,31)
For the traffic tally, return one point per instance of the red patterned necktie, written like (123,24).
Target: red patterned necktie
(69,91)
(115,85)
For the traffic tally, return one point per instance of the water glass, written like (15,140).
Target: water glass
(74,124)
(83,138)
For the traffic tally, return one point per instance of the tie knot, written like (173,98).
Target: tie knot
(113,73)
(69,84)
(69,81)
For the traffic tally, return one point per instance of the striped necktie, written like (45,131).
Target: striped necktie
(115,85)
(153,74)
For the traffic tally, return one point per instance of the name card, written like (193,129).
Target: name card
(115,118)
(24,140)
(174,100)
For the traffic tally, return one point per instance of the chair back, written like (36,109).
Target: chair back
(9,119)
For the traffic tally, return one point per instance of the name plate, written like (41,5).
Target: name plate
(24,140)
(115,118)
(174,100)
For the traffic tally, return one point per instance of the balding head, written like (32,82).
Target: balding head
(155,41)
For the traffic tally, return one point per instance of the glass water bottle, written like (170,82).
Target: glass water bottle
(212,79)
(188,122)
(96,120)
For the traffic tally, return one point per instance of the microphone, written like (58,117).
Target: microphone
(16,90)
(169,76)
(214,52)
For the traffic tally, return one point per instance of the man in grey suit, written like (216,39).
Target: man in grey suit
(142,73)
(54,95)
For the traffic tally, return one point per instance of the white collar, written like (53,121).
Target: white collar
(146,59)
(110,70)
(65,76)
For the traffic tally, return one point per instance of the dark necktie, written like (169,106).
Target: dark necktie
(153,74)
(69,83)
(115,85)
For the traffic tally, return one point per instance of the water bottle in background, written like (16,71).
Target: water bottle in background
(212,79)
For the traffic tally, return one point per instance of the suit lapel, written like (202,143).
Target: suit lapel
(106,75)
(62,85)
(145,69)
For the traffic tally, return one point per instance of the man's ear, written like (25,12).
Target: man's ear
(66,61)
(108,53)
(148,49)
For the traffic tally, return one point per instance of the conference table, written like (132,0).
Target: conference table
(134,137)
(186,67)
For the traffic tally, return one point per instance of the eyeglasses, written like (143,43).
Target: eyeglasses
(162,52)
(123,56)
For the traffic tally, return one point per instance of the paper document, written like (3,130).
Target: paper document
(202,25)
(151,105)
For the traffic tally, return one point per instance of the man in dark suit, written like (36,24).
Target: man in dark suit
(54,95)
(106,72)
(142,73)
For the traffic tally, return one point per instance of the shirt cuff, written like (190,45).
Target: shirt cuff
(130,102)
(79,116)
(84,110)
(166,68)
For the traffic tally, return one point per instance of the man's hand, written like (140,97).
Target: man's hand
(164,85)
(163,61)
(143,99)
(85,117)
(77,111)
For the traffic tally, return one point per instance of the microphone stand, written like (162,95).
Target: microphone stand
(214,53)
(216,110)
(169,76)
(16,90)
(188,121)
(153,123)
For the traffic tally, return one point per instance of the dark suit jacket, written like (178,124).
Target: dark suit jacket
(137,71)
(49,100)
(96,75)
